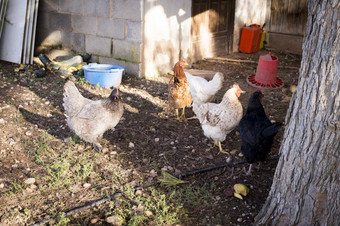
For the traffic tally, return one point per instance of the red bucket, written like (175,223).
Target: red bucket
(265,76)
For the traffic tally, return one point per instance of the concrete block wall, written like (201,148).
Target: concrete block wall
(110,30)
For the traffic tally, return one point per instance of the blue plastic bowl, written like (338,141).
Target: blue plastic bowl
(104,75)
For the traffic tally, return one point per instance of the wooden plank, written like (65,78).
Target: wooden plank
(288,16)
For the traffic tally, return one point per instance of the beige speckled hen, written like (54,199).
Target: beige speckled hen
(217,120)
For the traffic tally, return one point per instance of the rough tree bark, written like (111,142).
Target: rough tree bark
(305,189)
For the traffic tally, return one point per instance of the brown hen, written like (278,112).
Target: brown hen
(179,91)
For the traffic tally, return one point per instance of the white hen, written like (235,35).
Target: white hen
(202,90)
(217,120)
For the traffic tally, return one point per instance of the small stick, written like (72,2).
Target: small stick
(222,59)
(94,203)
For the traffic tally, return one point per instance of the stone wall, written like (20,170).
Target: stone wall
(110,30)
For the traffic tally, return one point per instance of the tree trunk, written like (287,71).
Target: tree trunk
(305,188)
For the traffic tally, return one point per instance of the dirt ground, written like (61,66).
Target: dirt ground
(147,140)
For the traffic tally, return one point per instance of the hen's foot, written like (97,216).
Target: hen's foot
(182,118)
(248,173)
(221,151)
(98,147)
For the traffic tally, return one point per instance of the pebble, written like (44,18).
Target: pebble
(177,172)
(2,185)
(28,133)
(105,150)
(131,145)
(149,213)
(30,181)
(239,219)
(153,173)
(234,152)
(210,156)
(139,192)
(2,121)
(111,220)
(94,221)
(86,185)
(240,154)
(157,139)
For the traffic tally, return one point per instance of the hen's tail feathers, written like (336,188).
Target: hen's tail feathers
(215,84)
(70,90)
(72,99)
(272,130)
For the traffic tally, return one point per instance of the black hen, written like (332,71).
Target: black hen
(256,130)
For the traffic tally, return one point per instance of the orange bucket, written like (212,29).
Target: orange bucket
(250,39)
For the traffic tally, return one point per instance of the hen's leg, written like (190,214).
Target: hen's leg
(96,144)
(182,117)
(248,173)
(97,147)
(177,115)
(220,147)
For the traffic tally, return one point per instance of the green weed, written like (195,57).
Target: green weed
(62,220)
(15,187)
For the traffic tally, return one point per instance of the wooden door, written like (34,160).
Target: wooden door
(212,28)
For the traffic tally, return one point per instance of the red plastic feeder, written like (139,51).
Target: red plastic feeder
(265,77)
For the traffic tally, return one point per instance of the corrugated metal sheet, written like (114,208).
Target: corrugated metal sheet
(3,7)
(18,33)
